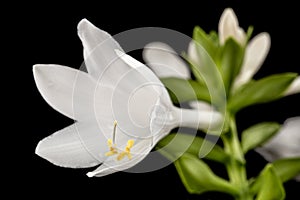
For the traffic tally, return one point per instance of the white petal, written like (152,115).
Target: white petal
(163,120)
(133,99)
(197,119)
(139,67)
(284,144)
(256,52)
(192,53)
(66,148)
(112,165)
(201,105)
(99,51)
(228,25)
(164,61)
(294,88)
(67,90)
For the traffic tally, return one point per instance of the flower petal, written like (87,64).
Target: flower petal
(193,54)
(255,54)
(284,144)
(294,88)
(99,55)
(164,61)
(201,105)
(67,90)
(66,148)
(199,119)
(229,27)
(112,165)
(142,92)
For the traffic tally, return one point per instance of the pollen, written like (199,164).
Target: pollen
(126,152)
(113,147)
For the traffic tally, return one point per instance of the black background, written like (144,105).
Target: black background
(46,33)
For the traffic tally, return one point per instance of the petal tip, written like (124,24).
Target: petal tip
(83,26)
(83,23)
(40,151)
(90,174)
(267,39)
(228,12)
(36,68)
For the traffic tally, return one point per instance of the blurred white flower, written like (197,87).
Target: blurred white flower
(229,27)
(164,61)
(285,144)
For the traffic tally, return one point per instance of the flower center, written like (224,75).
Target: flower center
(113,147)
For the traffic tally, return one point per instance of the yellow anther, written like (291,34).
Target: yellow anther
(127,153)
(130,143)
(109,143)
(112,148)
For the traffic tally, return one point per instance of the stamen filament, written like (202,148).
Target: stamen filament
(114,131)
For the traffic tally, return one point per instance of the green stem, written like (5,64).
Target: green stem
(236,165)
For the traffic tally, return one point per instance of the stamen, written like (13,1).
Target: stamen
(111,143)
(112,148)
(127,153)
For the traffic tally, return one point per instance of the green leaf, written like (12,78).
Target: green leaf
(231,61)
(268,185)
(206,41)
(198,178)
(261,91)
(249,32)
(207,72)
(182,90)
(258,134)
(213,36)
(287,168)
(177,144)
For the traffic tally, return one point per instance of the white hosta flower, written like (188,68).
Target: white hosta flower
(121,108)
(165,62)
(255,54)
(256,50)
(284,144)
(229,27)
(294,88)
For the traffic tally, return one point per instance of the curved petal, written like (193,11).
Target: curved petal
(164,61)
(286,143)
(192,53)
(112,165)
(139,96)
(99,55)
(201,105)
(65,88)
(229,27)
(66,148)
(255,54)
(294,88)
(162,120)
(199,119)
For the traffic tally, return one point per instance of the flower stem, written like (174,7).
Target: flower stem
(236,165)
